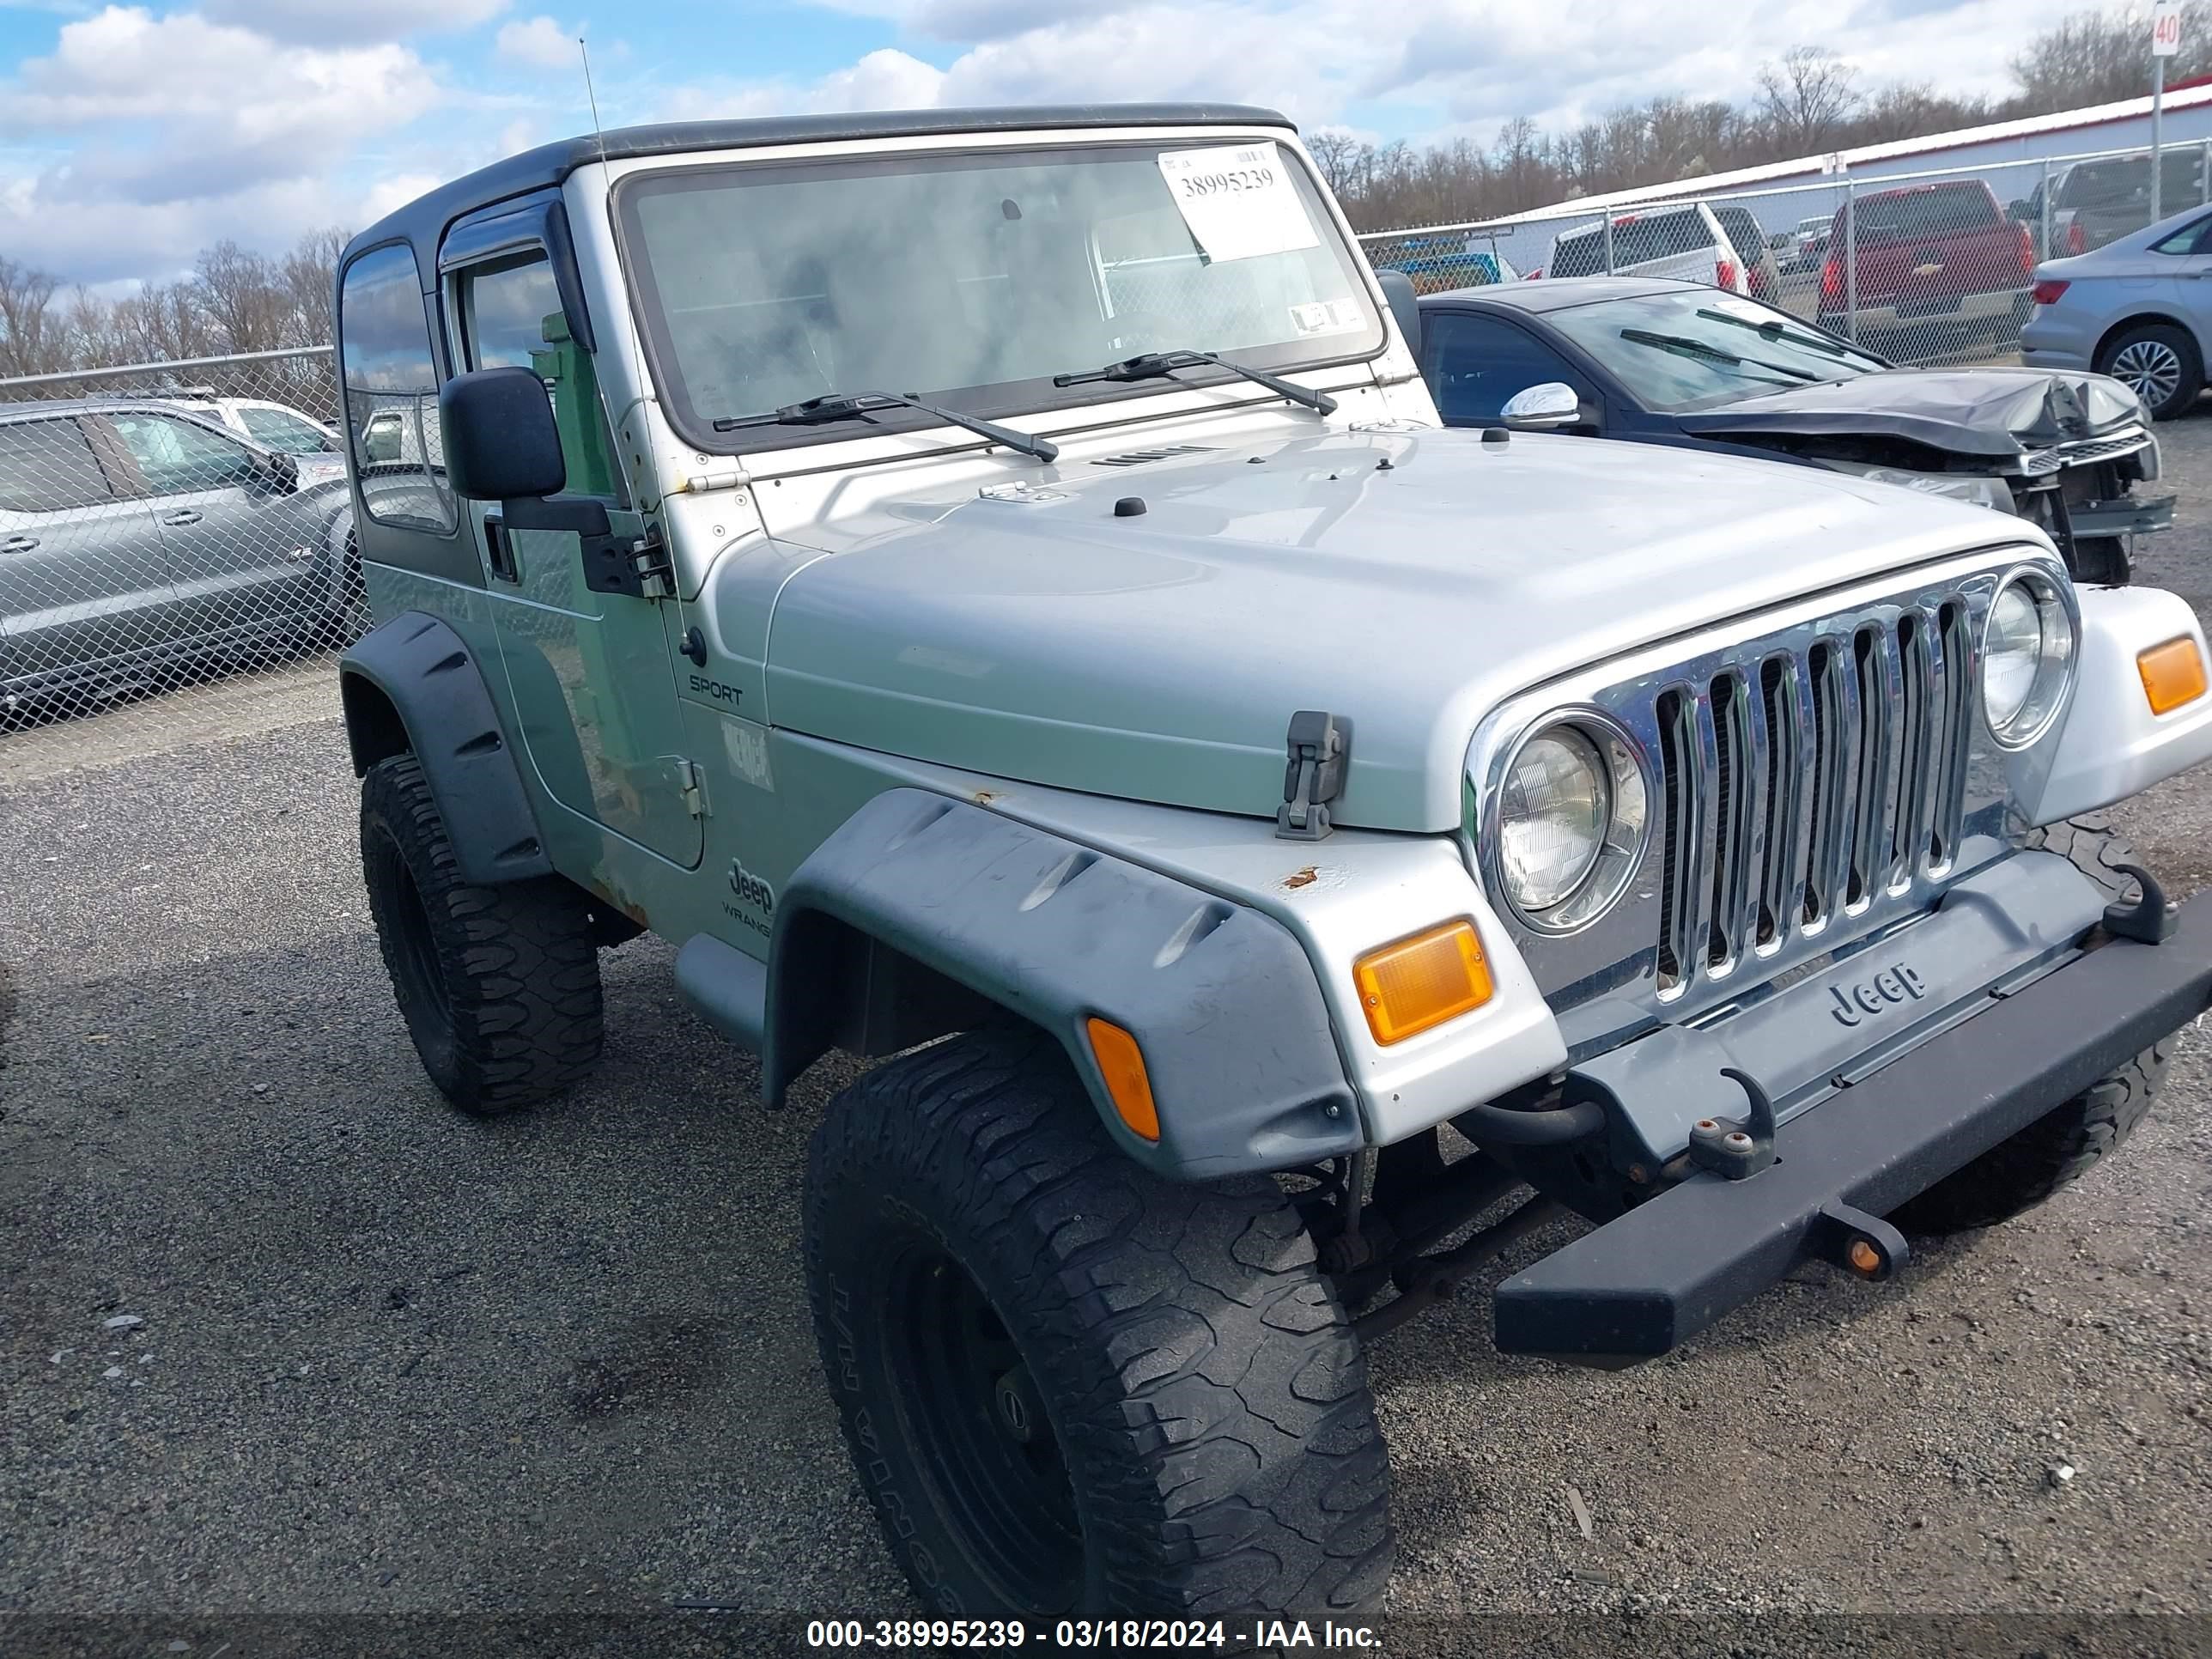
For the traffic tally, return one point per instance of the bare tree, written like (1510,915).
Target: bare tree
(310,281)
(2102,57)
(31,340)
(1808,98)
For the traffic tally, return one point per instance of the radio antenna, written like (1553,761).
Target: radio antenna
(622,259)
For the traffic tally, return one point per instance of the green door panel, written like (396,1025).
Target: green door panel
(594,692)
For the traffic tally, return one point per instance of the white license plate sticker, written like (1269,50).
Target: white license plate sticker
(1239,200)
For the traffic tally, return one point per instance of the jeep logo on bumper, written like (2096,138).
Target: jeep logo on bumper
(1886,990)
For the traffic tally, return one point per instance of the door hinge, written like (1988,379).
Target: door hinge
(636,565)
(691,786)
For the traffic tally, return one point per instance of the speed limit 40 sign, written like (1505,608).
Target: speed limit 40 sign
(2164,30)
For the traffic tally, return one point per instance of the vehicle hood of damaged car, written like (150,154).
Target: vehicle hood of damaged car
(1998,414)
(1406,581)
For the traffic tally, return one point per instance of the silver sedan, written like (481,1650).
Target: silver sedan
(2139,309)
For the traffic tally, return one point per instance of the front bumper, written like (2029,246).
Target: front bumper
(1663,1271)
(2126,515)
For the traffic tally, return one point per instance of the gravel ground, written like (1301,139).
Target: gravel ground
(372,1358)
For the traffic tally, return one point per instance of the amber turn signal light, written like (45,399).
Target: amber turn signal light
(2173,674)
(1121,1063)
(1417,983)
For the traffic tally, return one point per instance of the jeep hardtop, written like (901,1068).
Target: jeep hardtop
(991,589)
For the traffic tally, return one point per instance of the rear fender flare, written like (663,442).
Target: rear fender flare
(412,684)
(1222,1000)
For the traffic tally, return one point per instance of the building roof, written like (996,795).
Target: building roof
(423,220)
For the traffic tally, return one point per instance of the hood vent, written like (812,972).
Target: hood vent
(1140,457)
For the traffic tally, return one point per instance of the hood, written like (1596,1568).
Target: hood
(1999,413)
(1147,630)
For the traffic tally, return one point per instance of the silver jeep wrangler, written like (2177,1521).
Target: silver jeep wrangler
(990,587)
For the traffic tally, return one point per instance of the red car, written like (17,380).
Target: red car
(1927,255)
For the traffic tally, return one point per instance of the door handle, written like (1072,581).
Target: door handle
(499,551)
(19,545)
(182,516)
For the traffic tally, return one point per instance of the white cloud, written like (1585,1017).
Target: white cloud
(883,79)
(343,22)
(539,42)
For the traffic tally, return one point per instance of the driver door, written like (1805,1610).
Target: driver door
(592,674)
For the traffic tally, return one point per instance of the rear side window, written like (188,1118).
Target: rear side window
(48,466)
(1635,238)
(178,458)
(292,433)
(391,389)
(1925,212)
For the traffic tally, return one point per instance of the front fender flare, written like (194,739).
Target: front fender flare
(412,683)
(1222,999)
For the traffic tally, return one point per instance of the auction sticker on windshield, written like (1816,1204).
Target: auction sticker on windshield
(1239,200)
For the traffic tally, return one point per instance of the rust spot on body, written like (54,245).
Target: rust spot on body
(1298,878)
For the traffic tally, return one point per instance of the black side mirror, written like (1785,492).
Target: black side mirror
(280,469)
(1398,289)
(501,443)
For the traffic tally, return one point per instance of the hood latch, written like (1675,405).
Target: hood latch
(1320,747)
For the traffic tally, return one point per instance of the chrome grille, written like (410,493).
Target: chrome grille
(1813,776)
(1799,785)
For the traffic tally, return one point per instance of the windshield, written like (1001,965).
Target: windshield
(970,280)
(1703,329)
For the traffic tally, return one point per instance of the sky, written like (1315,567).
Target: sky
(132,136)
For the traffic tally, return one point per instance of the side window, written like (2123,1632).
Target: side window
(512,318)
(178,457)
(48,466)
(289,433)
(2195,237)
(392,387)
(1475,364)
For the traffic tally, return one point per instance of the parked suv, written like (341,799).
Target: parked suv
(137,538)
(1684,241)
(1929,256)
(989,587)
(1762,278)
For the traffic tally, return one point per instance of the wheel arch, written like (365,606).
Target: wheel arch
(413,686)
(923,914)
(2144,319)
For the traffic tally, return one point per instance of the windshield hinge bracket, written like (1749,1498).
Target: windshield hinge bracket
(1320,748)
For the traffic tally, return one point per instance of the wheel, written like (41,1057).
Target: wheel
(2159,363)
(499,986)
(2018,1174)
(1069,1385)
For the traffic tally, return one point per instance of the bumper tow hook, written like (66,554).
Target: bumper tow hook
(2151,918)
(1736,1147)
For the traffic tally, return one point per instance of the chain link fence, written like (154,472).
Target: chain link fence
(165,524)
(1926,267)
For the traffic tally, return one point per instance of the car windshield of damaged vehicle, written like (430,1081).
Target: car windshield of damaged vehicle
(1691,348)
(974,281)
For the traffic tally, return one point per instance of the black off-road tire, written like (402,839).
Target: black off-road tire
(979,1255)
(2018,1174)
(499,986)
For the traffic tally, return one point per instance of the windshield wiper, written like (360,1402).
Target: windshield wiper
(1158,365)
(833,406)
(1687,346)
(1776,331)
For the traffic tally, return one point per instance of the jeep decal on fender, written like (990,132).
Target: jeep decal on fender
(755,900)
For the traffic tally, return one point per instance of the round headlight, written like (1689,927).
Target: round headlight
(1552,817)
(2027,651)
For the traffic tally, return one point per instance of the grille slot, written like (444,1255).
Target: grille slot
(1803,785)
(1144,457)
